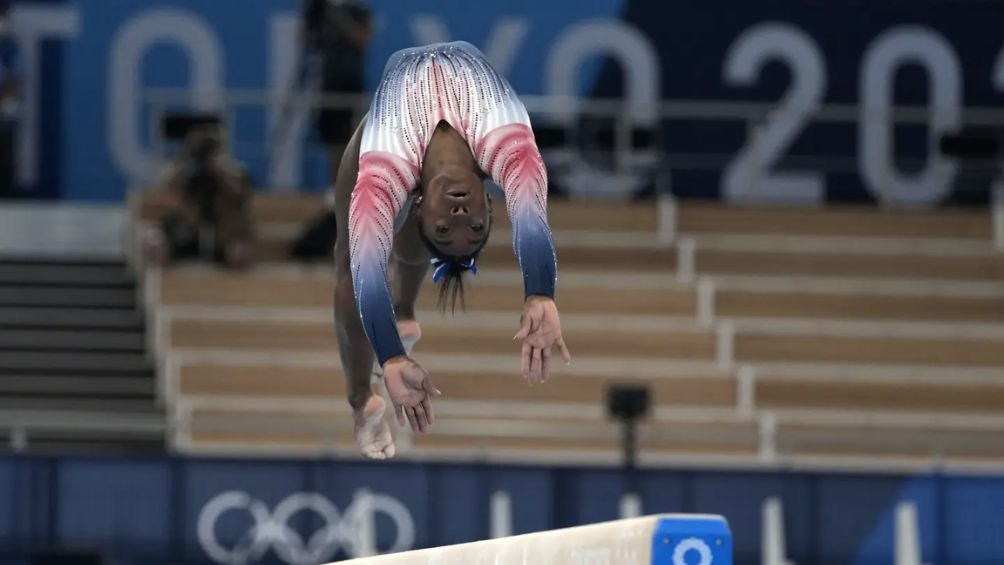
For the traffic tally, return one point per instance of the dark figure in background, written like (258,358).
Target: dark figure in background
(336,32)
(209,212)
(10,97)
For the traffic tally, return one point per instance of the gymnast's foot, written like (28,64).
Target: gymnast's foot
(410,333)
(372,432)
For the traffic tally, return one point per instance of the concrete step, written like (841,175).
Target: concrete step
(80,340)
(71,260)
(71,318)
(68,296)
(63,274)
(123,364)
(77,404)
(70,386)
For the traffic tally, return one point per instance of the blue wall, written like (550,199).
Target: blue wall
(148,510)
(689,45)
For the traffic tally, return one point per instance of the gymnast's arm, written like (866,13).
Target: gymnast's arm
(368,196)
(370,191)
(510,156)
(356,353)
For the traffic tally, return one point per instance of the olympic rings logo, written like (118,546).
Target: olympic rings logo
(271,530)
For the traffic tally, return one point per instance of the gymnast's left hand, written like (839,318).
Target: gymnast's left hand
(539,333)
(411,391)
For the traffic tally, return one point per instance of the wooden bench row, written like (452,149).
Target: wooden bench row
(597,438)
(904,266)
(671,298)
(698,388)
(442,336)
(691,217)
(219,289)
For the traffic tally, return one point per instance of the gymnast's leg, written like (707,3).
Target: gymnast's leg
(411,263)
(372,432)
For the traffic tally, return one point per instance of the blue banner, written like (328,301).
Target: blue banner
(102,57)
(89,132)
(221,511)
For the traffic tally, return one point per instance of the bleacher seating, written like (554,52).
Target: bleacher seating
(837,335)
(73,367)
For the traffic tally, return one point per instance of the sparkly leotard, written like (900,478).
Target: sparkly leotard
(421,87)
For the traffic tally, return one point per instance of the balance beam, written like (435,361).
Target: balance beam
(670,539)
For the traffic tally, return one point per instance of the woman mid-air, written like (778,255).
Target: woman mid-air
(441,122)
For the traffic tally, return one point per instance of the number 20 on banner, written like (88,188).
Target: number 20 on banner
(750,174)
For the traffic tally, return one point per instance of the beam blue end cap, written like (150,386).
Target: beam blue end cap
(691,539)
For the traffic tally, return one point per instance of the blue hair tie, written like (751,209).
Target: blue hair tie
(441,266)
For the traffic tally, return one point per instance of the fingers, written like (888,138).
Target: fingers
(412,418)
(565,354)
(430,417)
(524,328)
(430,389)
(524,365)
(545,364)
(535,362)
(421,417)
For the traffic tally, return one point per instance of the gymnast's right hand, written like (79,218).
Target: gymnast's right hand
(411,391)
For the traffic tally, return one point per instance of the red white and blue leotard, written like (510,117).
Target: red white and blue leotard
(421,87)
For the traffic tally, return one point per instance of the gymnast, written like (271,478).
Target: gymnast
(441,122)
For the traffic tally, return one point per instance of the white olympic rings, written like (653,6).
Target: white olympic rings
(272,529)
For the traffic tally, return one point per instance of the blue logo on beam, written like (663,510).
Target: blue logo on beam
(692,540)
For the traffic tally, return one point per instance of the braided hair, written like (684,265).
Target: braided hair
(449,269)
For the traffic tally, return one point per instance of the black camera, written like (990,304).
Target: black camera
(627,402)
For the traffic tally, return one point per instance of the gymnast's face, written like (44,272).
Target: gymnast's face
(455,213)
